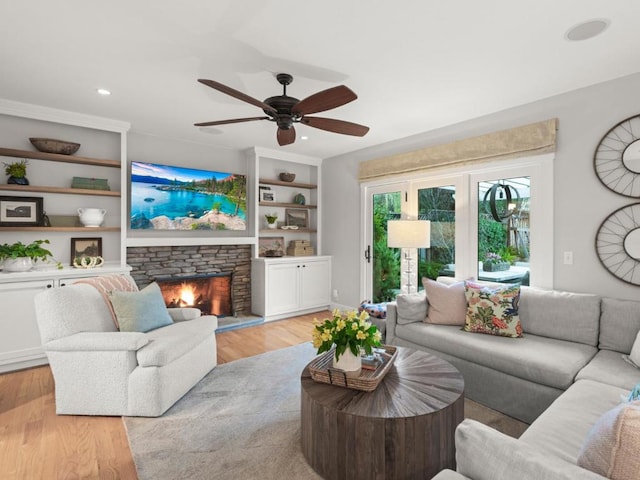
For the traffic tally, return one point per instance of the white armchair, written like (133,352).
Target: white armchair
(99,370)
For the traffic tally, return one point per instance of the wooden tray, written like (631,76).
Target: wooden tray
(322,371)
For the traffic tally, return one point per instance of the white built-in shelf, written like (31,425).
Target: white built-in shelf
(287,205)
(46,189)
(56,157)
(60,229)
(281,230)
(268,181)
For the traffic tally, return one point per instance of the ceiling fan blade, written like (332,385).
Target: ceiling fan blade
(325,100)
(286,137)
(336,126)
(236,94)
(225,122)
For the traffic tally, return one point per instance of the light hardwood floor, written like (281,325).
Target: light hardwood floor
(35,443)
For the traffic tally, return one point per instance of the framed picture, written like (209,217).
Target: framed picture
(20,211)
(267,196)
(271,247)
(296,217)
(85,247)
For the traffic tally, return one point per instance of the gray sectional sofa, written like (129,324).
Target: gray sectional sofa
(561,376)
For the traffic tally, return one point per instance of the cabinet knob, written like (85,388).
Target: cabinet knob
(63,284)
(49,285)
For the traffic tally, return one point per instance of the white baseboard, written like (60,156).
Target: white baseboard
(20,359)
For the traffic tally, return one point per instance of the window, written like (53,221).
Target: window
(464,229)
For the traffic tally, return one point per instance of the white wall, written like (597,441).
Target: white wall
(149,148)
(581,201)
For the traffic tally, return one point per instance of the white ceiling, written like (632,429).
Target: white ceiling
(416,65)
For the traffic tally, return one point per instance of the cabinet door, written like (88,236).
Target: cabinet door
(283,288)
(315,283)
(20,344)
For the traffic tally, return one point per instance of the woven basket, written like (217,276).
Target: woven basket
(322,371)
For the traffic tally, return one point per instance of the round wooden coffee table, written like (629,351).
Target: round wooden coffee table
(403,429)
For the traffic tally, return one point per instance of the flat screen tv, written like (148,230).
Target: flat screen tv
(165,197)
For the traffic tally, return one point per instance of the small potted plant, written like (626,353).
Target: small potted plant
(19,257)
(350,332)
(272,220)
(17,172)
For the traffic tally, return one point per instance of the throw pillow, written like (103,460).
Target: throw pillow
(493,309)
(108,283)
(612,445)
(411,307)
(375,310)
(447,303)
(634,356)
(140,311)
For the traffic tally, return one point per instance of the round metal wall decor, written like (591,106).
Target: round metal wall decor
(618,243)
(617,158)
(491,205)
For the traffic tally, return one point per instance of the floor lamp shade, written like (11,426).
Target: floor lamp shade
(409,233)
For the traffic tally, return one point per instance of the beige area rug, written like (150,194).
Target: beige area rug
(242,421)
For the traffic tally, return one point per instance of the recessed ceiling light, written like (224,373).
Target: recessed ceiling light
(103,91)
(304,137)
(586,30)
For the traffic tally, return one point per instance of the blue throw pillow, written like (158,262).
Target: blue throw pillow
(375,310)
(140,311)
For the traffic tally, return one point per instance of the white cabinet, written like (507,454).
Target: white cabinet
(281,287)
(20,344)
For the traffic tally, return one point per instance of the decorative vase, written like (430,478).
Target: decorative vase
(18,181)
(91,217)
(20,264)
(348,362)
(272,225)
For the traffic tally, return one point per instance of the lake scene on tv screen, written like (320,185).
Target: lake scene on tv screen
(166,197)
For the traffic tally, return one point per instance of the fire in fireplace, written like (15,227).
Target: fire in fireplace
(211,293)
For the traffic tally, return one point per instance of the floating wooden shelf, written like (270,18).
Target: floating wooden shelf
(72,191)
(56,157)
(287,205)
(280,183)
(60,229)
(280,231)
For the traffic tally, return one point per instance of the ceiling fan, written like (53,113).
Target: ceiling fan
(286,111)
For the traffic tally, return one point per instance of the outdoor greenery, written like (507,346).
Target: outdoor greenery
(386,261)
(492,236)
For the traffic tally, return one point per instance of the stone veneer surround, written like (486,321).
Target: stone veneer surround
(147,263)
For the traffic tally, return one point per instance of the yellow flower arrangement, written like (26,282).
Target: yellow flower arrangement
(345,330)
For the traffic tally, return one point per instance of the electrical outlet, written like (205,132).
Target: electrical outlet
(335,293)
(568,258)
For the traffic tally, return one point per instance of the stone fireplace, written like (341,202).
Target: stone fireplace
(215,270)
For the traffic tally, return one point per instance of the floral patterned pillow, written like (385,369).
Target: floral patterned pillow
(493,309)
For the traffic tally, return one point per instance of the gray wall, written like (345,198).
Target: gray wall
(581,201)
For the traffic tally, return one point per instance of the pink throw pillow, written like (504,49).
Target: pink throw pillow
(447,303)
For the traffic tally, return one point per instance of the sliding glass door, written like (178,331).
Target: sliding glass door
(382,267)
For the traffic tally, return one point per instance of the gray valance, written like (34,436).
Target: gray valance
(533,139)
